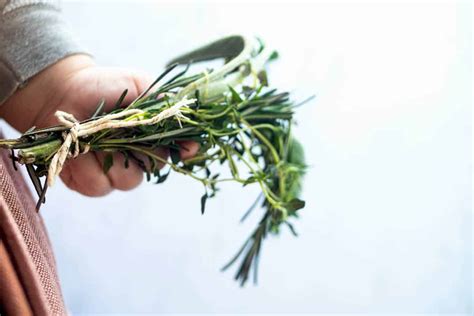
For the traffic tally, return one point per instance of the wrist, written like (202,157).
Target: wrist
(43,92)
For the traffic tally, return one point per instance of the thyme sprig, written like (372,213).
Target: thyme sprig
(238,121)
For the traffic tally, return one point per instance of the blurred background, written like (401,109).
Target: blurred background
(388,221)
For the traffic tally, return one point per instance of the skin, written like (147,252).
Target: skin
(76,85)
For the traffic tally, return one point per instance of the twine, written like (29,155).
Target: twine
(125,118)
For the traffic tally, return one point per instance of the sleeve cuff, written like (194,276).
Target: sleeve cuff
(32,38)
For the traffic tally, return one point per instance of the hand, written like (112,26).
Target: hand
(76,85)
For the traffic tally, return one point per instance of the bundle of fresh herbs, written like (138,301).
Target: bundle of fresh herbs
(231,112)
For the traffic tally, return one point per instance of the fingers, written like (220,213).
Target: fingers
(188,149)
(84,175)
(119,176)
(141,80)
(79,97)
(162,153)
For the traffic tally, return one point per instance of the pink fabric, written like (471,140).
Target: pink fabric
(23,232)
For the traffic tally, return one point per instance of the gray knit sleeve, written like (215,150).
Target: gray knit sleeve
(33,36)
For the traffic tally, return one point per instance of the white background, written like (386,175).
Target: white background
(388,222)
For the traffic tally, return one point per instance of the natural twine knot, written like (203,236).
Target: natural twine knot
(109,121)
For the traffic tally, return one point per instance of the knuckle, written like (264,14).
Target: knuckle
(125,179)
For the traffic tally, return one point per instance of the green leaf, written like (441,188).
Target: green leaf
(174,154)
(294,205)
(162,178)
(262,76)
(261,45)
(203,202)
(99,108)
(247,91)
(233,167)
(152,163)
(126,159)
(108,162)
(273,56)
(121,98)
(235,96)
(296,152)
(188,167)
(147,175)
(249,180)
(292,229)
(252,207)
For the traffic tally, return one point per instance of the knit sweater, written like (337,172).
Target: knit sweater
(33,36)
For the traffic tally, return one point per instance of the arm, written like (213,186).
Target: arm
(43,70)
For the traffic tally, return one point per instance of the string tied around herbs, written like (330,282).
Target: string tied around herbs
(109,121)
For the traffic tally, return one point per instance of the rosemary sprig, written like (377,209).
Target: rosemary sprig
(237,120)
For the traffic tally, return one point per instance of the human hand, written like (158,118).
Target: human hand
(76,85)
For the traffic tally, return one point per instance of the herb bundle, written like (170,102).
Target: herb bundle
(238,121)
